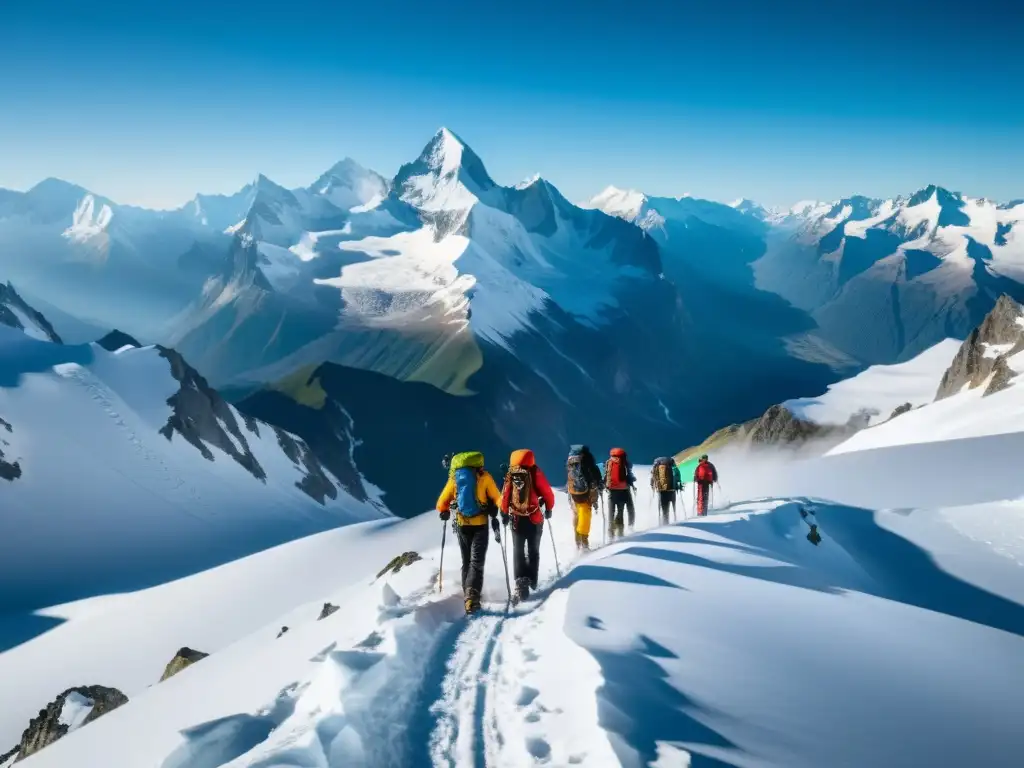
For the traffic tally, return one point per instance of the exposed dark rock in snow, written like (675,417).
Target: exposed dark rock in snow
(8,470)
(185,657)
(202,417)
(399,562)
(116,339)
(10,301)
(975,362)
(326,611)
(900,410)
(71,710)
(283,631)
(778,425)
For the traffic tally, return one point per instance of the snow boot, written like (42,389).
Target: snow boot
(584,543)
(522,590)
(472,601)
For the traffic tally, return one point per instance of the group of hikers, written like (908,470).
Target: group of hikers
(526,500)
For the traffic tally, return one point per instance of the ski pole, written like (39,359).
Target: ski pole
(604,522)
(551,535)
(440,572)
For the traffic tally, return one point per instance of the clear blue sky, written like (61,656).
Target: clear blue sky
(777,101)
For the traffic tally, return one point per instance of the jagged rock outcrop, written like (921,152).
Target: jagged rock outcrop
(185,657)
(116,339)
(11,304)
(202,417)
(326,611)
(984,354)
(778,426)
(899,410)
(71,710)
(399,562)
(9,470)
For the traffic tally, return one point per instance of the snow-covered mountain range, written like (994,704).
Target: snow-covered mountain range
(134,442)
(510,309)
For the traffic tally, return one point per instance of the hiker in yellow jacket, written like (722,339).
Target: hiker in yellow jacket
(473,494)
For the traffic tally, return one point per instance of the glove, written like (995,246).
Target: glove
(492,510)
(504,519)
(494,525)
(547,513)
(446,515)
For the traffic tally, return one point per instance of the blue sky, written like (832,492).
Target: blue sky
(777,101)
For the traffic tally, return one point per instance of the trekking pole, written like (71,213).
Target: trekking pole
(504,557)
(551,535)
(604,522)
(440,571)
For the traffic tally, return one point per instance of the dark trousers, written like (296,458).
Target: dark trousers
(526,538)
(666,499)
(473,541)
(619,501)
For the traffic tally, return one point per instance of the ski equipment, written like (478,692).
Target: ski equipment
(551,535)
(440,570)
(662,476)
(617,471)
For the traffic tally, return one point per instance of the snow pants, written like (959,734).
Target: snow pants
(620,501)
(666,499)
(526,537)
(473,541)
(703,494)
(584,511)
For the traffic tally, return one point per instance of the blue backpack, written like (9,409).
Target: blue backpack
(577,484)
(465,492)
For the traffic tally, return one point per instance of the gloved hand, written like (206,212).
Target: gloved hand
(504,519)
(446,515)
(494,525)
(492,510)
(547,513)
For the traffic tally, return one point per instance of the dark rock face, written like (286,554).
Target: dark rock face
(116,339)
(399,562)
(185,657)
(9,299)
(284,630)
(971,366)
(900,410)
(326,611)
(8,470)
(203,418)
(779,426)
(47,727)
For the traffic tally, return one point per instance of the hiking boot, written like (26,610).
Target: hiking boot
(522,590)
(584,543)
(472,601)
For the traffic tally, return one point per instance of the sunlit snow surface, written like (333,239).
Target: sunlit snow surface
(732,639)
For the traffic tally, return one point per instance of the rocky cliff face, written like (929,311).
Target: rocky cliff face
(116,340)
(9,470)
(71,710)
(984,355)
(14,312)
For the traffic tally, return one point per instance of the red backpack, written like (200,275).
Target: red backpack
(705,473)
(616,472)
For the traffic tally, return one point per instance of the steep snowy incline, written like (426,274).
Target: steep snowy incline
(737,640)
(129,470)
(876,392)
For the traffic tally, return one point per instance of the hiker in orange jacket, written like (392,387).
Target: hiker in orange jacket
(526,491)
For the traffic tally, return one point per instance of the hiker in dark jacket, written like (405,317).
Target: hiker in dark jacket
(584,485)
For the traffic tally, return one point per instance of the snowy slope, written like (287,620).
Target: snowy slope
(128,470)
(879,390)
(893,641)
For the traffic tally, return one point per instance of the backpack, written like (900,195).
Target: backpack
(578,484)
(465,468)
(520,482)
(617,471)
(661,473)
(704,473)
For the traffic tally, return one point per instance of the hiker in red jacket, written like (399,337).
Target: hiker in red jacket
(526,490)
(619,479)
(704,477)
